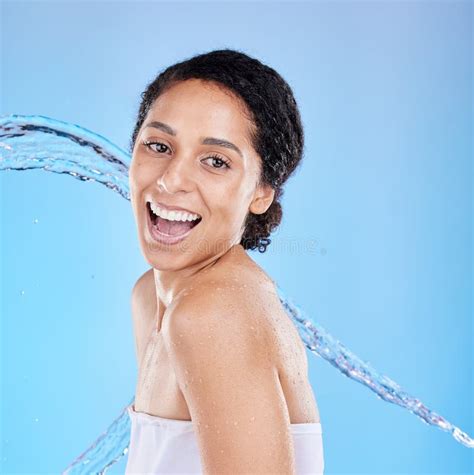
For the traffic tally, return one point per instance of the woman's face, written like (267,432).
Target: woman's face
(198,158)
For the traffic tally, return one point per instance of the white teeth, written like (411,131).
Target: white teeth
(173,215)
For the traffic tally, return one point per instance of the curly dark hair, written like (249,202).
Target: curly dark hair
(277,133)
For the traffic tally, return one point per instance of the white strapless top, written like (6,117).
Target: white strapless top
(160,446)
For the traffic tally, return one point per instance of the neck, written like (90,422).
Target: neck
(169,283)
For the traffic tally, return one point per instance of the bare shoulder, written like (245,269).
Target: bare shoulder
(242,303)
(236,302)
(143,285)
(142,299)
(143,307)
(219,338)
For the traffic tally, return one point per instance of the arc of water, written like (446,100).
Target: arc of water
(36,141)
(28,142)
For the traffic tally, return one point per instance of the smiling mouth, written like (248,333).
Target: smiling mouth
(169,227)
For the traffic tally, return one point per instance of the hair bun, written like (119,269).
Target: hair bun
(258,227)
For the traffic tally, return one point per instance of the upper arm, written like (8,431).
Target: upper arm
(225,369)
(142,308)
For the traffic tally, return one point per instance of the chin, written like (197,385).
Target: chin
(166,259)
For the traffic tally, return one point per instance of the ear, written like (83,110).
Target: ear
(263,198)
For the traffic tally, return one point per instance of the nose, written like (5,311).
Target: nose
(176,175)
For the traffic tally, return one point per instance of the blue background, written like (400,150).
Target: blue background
(376,239)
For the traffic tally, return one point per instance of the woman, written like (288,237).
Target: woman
(222,384)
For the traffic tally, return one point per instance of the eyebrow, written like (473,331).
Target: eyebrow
(206,140)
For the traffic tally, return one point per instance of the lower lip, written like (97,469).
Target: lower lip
(165,238)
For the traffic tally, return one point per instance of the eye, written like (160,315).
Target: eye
(149,143)
(221,161)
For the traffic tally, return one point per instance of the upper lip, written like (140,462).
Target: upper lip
(171,208)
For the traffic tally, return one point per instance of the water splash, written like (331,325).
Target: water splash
(35,141)
(28,142)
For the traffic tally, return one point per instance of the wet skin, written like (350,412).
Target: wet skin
(210,264)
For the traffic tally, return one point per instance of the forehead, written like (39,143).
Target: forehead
(203,108)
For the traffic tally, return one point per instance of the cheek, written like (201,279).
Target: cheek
(139,175)
(231,207)
(136,182)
